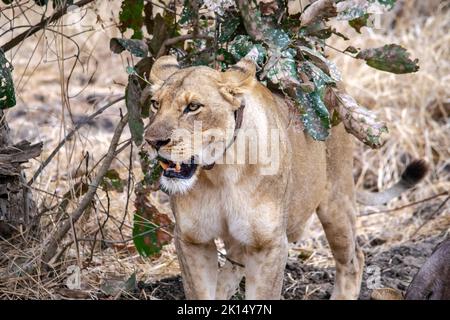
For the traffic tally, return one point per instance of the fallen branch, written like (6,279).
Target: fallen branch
(17,209)
(431,216)
(11,157)
(370,213)
(51,243)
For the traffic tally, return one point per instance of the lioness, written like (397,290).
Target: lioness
(254,212)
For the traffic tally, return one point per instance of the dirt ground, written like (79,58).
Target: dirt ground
(396,266)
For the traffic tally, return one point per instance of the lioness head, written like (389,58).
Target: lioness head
(193,116)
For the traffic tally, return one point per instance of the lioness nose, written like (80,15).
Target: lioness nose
(157,143)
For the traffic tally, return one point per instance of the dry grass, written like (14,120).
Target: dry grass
(417,108)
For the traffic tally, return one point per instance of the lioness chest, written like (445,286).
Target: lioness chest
(253,210)
(243,210)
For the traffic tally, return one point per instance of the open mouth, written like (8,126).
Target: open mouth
(178,170)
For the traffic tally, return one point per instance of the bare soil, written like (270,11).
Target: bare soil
(396,266)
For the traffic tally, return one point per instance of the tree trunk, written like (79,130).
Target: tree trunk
(17,208)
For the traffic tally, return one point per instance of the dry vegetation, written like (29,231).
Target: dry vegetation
(417,108)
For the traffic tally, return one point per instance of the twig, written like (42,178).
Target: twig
(41,25)
(431,216)
(127,202)
(370,213)
(162,7)
(69,136)
(51,243)
(175,40)
(195,9)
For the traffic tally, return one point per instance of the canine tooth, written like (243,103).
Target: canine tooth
(177,167)
(163,165)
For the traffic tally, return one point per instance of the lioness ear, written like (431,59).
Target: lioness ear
(241,74)
(238,79)
(162,69)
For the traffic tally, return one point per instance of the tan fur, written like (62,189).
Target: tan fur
(256,215)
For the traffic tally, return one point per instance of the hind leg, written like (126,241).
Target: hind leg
(338,220)
(337,214)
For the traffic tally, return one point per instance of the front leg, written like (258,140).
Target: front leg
(198,262)
(264,270)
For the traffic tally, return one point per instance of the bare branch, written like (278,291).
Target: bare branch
(41,25)
(51,243)
(69,136)
(247,16)
(170,42)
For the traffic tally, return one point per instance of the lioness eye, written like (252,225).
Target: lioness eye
(154,105)
(191,107)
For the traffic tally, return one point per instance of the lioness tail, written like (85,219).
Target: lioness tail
(413,174)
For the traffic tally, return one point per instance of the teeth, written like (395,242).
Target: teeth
(163,165)
(177,167)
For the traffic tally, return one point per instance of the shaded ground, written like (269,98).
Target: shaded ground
(393,268)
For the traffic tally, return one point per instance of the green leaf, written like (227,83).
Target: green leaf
(151,229)
(137,48)
(7,95)
(360,22)
(112,181)
(323,63)
(315,115)
(151,168)
(354,9)
(132,98)
(273,36)
(319,30)
(352,50)
(283,70)
(131,17)
(276,37)
(188,14)
(391,58)
(318,76)
(242,45)
(387,4)
(225,58)
(144,236)
(228,28)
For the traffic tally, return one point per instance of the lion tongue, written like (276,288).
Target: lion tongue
(173,166)
(164,165)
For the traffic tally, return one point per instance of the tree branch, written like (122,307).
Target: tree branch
(175,40)
(247,17)
(68,137)
(51,243)
(41,25)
